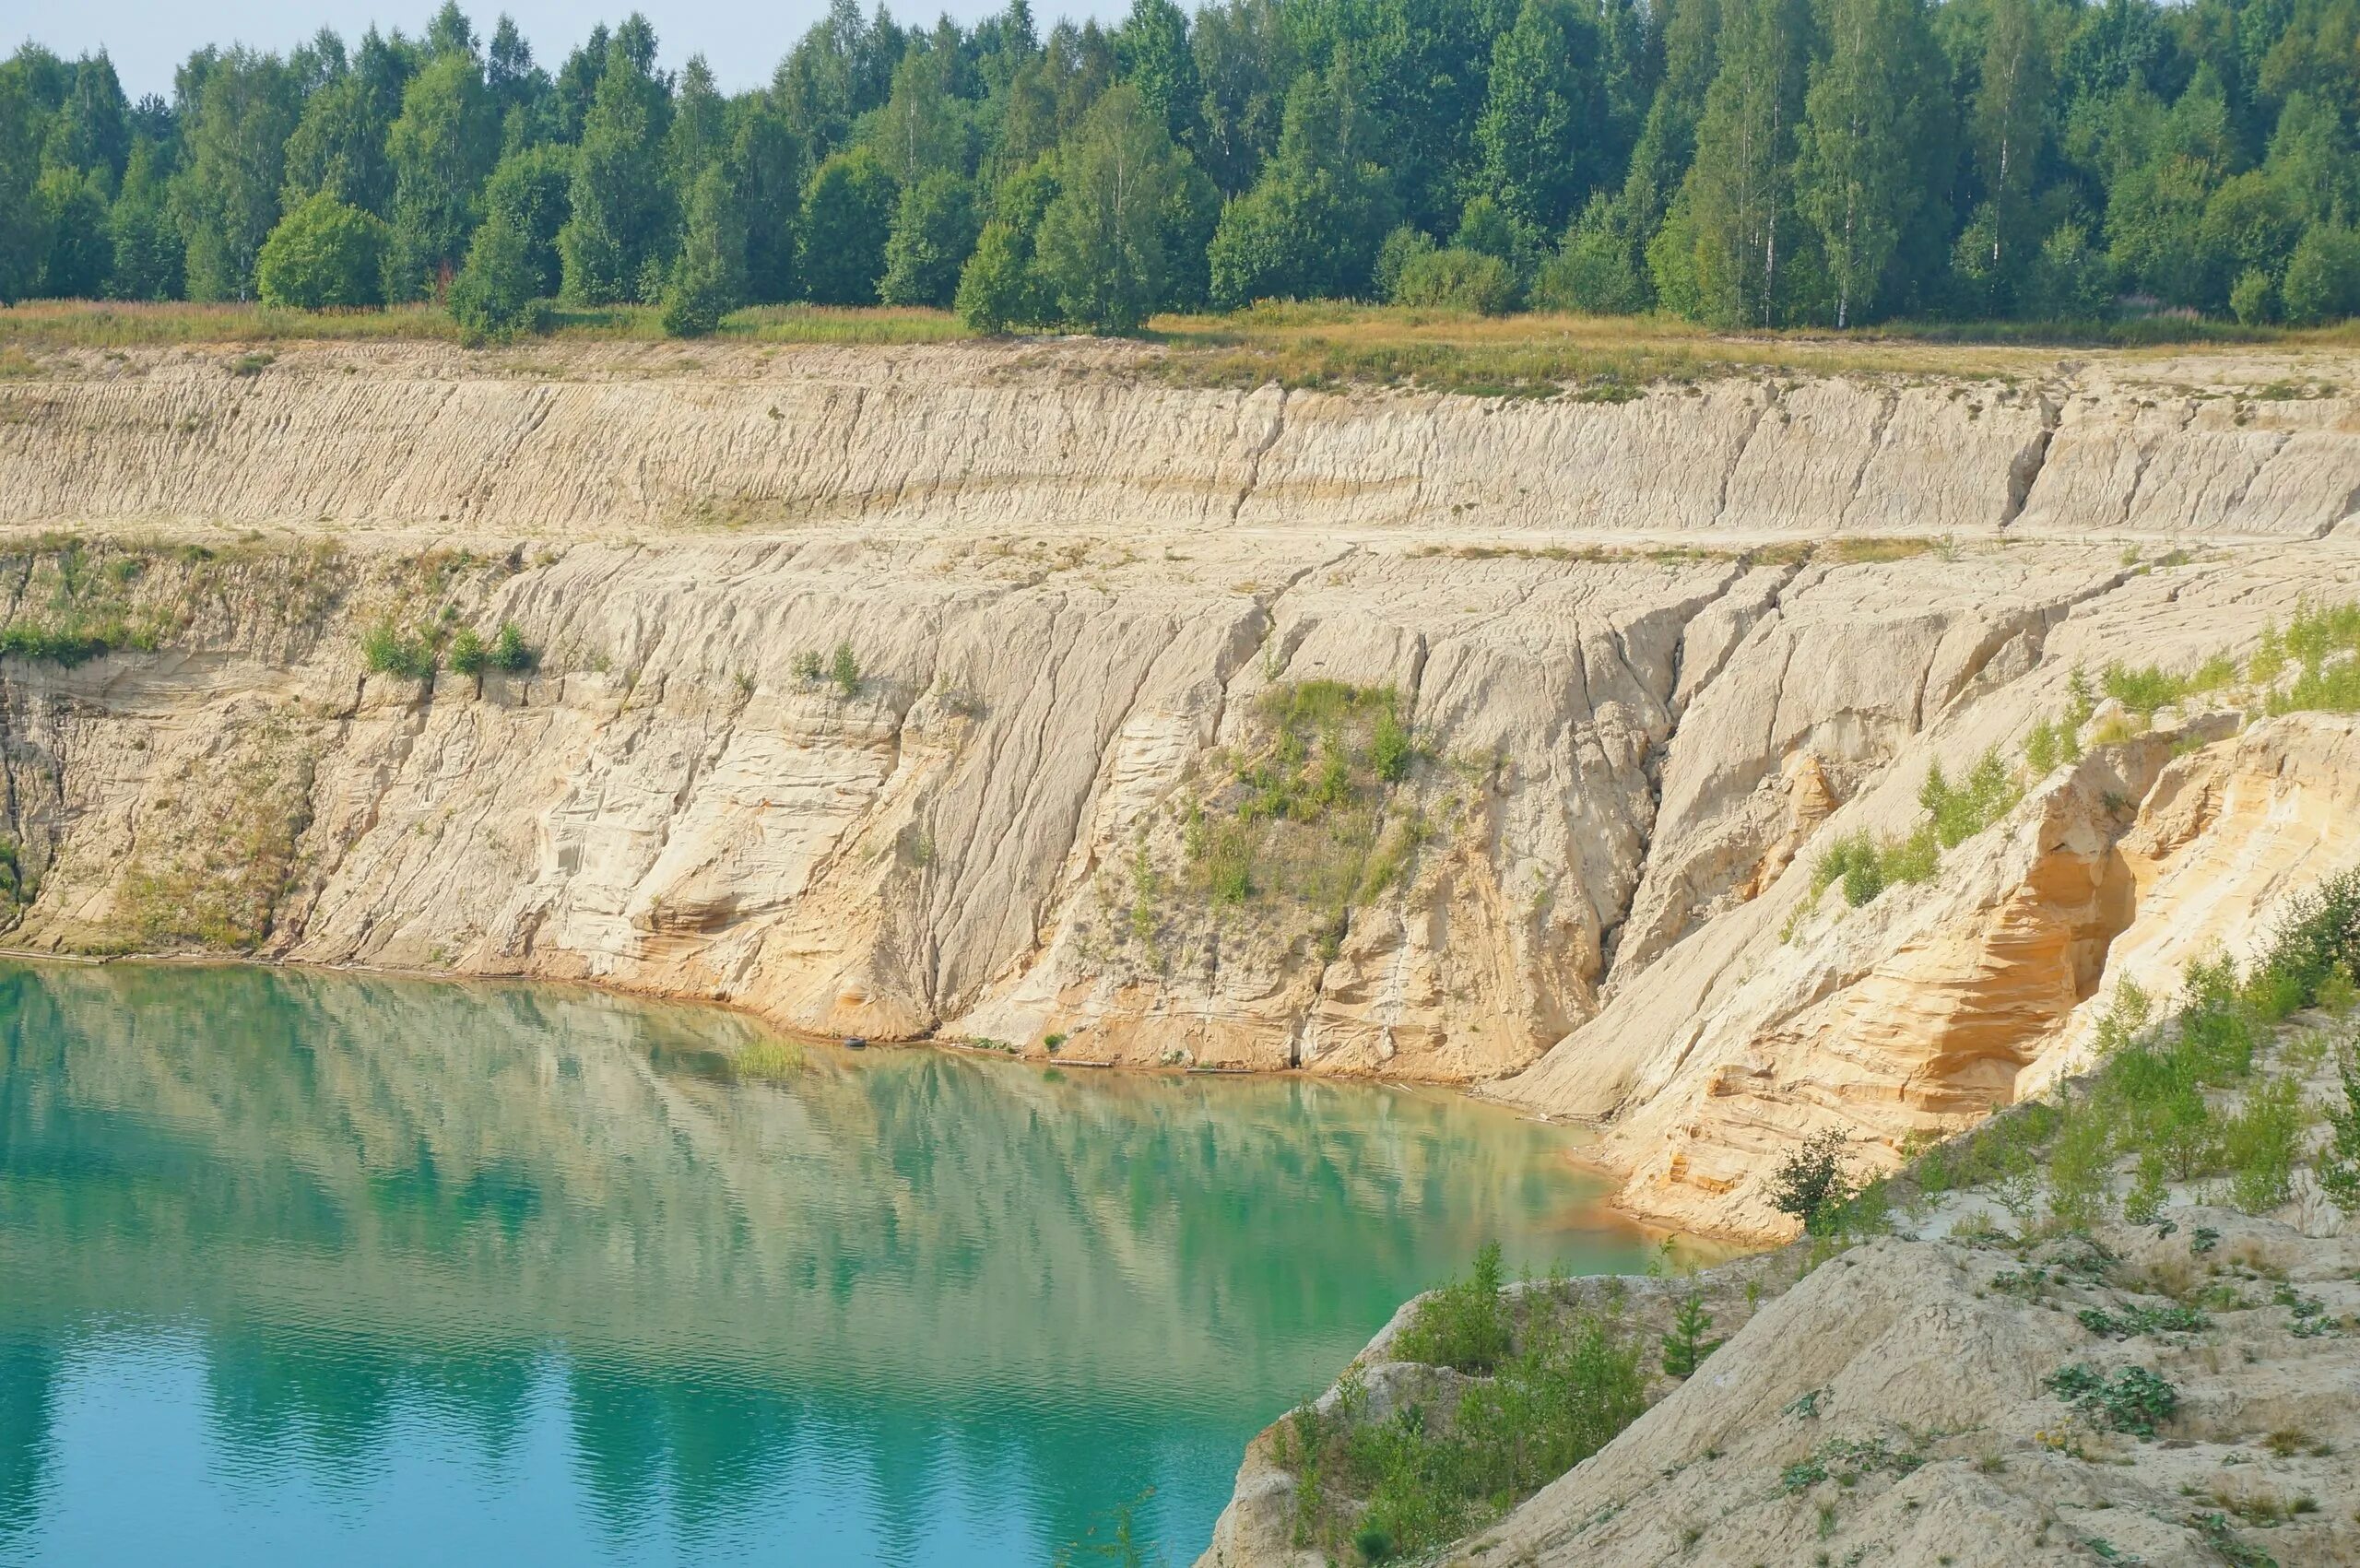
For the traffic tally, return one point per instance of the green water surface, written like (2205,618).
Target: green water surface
(304,1269)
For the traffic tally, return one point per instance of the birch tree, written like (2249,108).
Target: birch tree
(1857,182)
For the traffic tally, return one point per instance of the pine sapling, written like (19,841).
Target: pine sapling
(1685,1348)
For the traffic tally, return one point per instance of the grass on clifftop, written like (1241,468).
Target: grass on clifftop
(48,325)
(1319,344)
(1599,359)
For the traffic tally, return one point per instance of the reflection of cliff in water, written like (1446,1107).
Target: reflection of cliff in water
(360,1194)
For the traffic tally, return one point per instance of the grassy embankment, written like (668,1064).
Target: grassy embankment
(1603,358)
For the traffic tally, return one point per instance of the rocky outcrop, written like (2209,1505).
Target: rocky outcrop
(1047,793)
(1892,1407)
(1785,1011)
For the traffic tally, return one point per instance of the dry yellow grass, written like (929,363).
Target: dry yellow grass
(1601,358)
(39,325)
(50,325)
(1610,358)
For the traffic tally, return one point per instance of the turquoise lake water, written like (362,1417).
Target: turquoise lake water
(306,1269)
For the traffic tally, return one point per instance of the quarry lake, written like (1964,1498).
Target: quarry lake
(301,1268)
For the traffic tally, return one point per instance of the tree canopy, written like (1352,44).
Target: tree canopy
(1742,162)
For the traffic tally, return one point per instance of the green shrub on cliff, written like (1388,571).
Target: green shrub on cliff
(1463,1324)
(1685,1348)
(386,649)
(1546,1397)
(2192,1093)
(510,651)
(1306,816)
(1957,812)
(1814,1181)
(73,642)
(75,601)
(2133,1399)
(390,651)
(1866,865)
(469,656)
(844,668)
(2339,1167)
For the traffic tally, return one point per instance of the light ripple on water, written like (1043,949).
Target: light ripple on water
(297,1268)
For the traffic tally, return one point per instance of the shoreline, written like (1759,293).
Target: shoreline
(1730,1246)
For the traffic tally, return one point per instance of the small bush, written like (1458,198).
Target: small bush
(1403,246)
(1389,749)
(468,656)
(1457,279)
(2081,1170)
(1558,1398)
(1848,1462)
(2319,942)
(496,294)
(1857,864)
(2050,742)
(1958,812)
(844,668)
(321,254)
(2253,299)
(1463,1324)
(388,650)
(1867,867)
(2269,659)
(1814,1181)
(2134,1400)
(1990,1153)
(1222,852)
(1595,268)
(509,651)
(2260,1145)
(2143,1205)
(2143,690)
(2323,645)
(2322,276)
(2133,1321)
(2338,1162)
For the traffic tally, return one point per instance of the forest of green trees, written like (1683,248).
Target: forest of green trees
(1738,162)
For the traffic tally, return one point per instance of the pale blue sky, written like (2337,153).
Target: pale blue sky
(742,38)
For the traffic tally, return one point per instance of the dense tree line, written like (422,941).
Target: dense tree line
(1760,162)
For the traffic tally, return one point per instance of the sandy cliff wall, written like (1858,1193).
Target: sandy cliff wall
(1088,618)
(975,438)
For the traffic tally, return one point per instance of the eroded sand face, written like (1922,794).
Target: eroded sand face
(1644,706)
